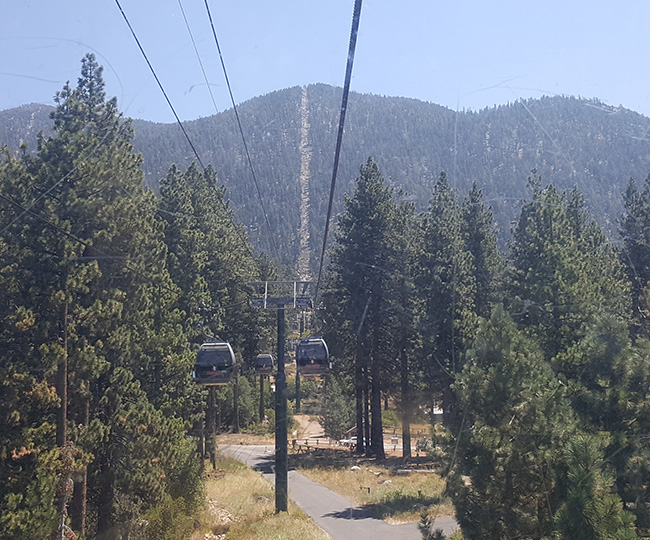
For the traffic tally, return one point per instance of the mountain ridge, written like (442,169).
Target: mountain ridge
(569,141)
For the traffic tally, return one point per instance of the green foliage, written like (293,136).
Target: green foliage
(87,287)
(391,418)
(591,510)
(30,512)
(337,413)
(507,475)
(291,422)
(564,273)
(480,238)
(634,228)
(447,287)
(309,388)
(248,403)
(363,302)
(172,519)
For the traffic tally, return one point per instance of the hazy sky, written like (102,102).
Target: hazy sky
(465,54)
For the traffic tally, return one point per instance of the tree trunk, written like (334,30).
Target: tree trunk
(78,504)
(358,394)
(366,410)
(105,503)
(261,399)
(235,406)
(211,428)
(406,404)
(377,428)
(201,443)
(62,383)
(297,391)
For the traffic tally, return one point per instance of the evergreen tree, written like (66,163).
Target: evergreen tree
(446,284)
(210,259)
(362,268)
(634,228)
(506,480)
(591,511)
(89,298)
(337,412)
(481,242)
(404,317)
(563,271)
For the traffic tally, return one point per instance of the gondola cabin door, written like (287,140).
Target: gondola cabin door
(215,364)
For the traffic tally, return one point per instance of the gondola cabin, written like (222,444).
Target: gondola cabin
(264,364)
(215,364)
(312,357)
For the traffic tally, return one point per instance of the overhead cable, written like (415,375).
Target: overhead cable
(162,89)
(241,131)
(178,121)
(344,104)
(82,242)
(198,57)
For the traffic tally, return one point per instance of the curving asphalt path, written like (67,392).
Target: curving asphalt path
(336,515)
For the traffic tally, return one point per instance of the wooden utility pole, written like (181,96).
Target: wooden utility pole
(62,382)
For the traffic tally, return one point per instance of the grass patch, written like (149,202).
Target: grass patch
(378,487)
(245,438)
(241,504)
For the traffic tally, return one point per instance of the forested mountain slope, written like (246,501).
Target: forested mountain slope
(570,141)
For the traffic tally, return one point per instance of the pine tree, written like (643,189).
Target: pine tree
(337,413)
(591,511)
(447,287)
(210,259)
(362,269)
(506,479)
(481,242)
(563,271)
(89,290)
(634,228)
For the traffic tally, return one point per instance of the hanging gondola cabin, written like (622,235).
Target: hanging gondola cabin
(215,364)
(264,364)
(312,357)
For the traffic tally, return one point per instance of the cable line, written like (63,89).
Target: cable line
(83,242)
(153,72)
(245,243)
(241,131)
(48,191)
(344,104)
(198,57)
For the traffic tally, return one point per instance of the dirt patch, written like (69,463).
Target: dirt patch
(310,428)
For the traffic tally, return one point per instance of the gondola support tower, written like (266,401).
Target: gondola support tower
(278,294)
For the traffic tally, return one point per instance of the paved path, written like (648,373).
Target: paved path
(340,518)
